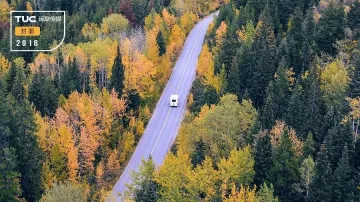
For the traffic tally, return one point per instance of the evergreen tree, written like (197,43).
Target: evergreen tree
(353,18)
(141,9)
(257,6)
(343,184)
(263,67)
(309,146)
(295,112)
(286,8)
(161,43)
(243,62)
(314,106)
(263,159)
(70,80)
(330,28)
(133,101)
(10,189)
(247,14)
(284,172)
(23,140)
(308,29)
(198,156)
(278,93)
(18,90)
(43,94)
(338,136)
(118,76)
(320,188)
(9,176)
(143,186)
(226,14)
(355,77)
(10,78)
(202,94)
(228,49)
(356,156)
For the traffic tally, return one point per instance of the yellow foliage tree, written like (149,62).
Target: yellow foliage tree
(5,9)
(169,19)
(90,31)
(4,64)
(205,179)
(67,145)
(139,75)
(206,69)
(220,32)
(29,7)
(187,21)
(114,24)
(238,167)
(42,132)
(127,145)
(242,195)
(151,46)
(175,176)
(334,83)
(176,40)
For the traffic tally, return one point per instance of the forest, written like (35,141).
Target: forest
(274,112)
(70,119)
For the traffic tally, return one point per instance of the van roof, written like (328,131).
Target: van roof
(174,96)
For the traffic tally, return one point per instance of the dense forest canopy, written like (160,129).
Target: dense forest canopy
(273,114)
(70,119)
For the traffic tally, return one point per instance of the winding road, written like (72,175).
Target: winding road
(165,122)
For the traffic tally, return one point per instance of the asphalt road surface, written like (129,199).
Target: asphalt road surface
(165,122)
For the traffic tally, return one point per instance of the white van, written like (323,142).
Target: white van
(174,100)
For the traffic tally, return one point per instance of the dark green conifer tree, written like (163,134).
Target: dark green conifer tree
(23,140)
(228,49)
(353,18)
(320,187)
(10,78)
(43,94)
(18,90)
(295,116)
(161,43)
(263,67)
(118,76)
(285,170)
(243,62)
(337,138)
(313,105)
(10,189)
(355,76)
(278,94)
(145,188)
(198,156)
(263,159)
(309,146)
(343,184)
(330,28)
(71,79)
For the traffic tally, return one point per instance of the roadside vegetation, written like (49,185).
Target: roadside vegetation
(70,119)
(273,114)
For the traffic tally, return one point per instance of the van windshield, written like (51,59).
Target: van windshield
(173,100)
